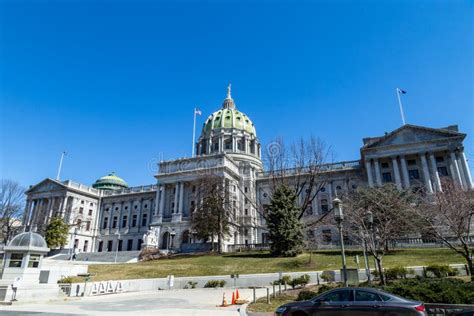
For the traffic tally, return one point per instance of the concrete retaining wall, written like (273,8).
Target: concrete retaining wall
(244,280)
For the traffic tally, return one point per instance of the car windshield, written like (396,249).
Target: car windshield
(337,296)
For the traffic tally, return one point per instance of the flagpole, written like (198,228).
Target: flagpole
(401,106)
(60,164)
(194,133)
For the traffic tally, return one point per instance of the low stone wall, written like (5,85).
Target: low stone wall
(447,309)
(244,280)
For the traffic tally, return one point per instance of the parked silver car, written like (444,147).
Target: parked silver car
(354,301)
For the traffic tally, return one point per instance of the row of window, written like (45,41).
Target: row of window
(126,207)
(17,258)
(144,221)
(119,246)
(85,247)
(414,174)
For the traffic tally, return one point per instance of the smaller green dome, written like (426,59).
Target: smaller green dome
(110,182)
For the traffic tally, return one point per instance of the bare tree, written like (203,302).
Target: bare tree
(11,208)
(303,166)
(214,214)
(376,216)
(449,217)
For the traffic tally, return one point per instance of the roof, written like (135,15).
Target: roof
(28,241)
(110,182)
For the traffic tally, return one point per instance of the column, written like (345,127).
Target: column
(130,210)
(221,144)
(329,186)
(181,198)
(38,211)
(396,172)
(406,177)
(461,171)
(162,201)
(378,175)
(234,144)
(209,145)
(368,166)
(455,168)
(435,174)
(426,174)
(176,193)
(467,172)
(157,199)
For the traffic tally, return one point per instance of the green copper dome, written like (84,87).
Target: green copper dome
(110,182)
(229,117)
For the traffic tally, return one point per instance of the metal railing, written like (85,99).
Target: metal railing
(344,165)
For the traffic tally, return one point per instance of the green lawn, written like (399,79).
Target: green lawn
(261,262)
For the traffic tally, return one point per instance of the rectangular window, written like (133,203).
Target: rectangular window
(130,244)
(106,219)
(76,243)
(139,245)
(134,220)
(34,261)
(124,221)
(246,189)
(144,219)
(81,210)
(216,146)
(327,236)
(86,245)
(120,243)
(101,245)
(439,159)
(109,245)
(114,223)
(411,162)
(90,212)
(413,174)
(384,164)
(88,225)
(15,260)
(246,212)
(443,171)
(386,177)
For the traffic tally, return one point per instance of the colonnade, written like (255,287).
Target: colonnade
(458,168)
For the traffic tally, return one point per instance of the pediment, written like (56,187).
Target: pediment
(46,185)
(410,134)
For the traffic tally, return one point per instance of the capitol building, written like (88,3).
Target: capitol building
(109,215)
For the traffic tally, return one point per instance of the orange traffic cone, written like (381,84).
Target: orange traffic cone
(224,301)
(237,296)
(233,299)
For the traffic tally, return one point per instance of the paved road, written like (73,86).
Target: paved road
(193,302)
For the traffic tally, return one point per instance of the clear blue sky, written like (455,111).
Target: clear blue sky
(115,82)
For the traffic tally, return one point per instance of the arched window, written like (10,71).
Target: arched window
(185,239)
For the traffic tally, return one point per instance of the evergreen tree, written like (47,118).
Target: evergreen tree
(285,229)
(56,233)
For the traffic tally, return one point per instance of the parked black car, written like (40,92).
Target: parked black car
(354,301)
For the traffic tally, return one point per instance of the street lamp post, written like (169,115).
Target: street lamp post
(172,234)
(339,216)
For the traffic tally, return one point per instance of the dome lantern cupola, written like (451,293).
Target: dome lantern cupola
(228,102)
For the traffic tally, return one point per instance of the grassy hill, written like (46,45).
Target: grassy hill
(262,262)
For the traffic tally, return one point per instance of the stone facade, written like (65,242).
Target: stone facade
(111,220)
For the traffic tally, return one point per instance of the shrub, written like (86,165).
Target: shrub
(190,284)
(440,271)
(215,283)
(65,279)
(451,291)
(327,276)
(286,279)
(301,281)
(397,273)
(305,295)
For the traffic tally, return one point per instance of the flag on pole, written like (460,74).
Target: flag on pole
(401,91)
(197,112)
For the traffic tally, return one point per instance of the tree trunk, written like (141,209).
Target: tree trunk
(470,267)
(380,268)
